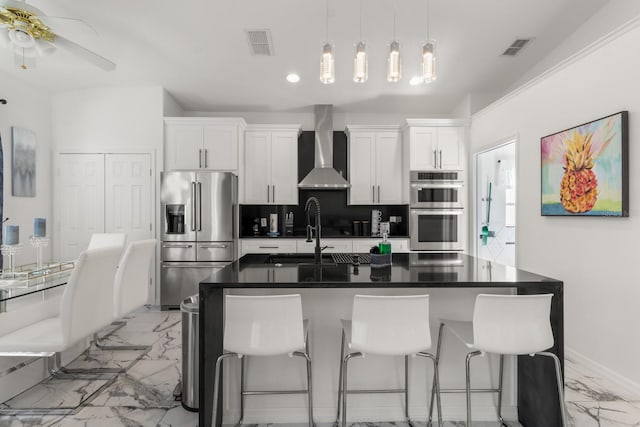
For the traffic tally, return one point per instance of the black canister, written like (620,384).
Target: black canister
(366,229)
(356,228)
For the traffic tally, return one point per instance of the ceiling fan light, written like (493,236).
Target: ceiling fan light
(21,38)
(327,65)
(394,66)
(429,62)
(360,64)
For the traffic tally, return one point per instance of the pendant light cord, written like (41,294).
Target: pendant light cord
(428,15)
(360,20)
(327,39)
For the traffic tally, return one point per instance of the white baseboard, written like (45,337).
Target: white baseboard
(606,373)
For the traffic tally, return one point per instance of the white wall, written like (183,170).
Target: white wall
(114,119)
(595,257)
(29,108)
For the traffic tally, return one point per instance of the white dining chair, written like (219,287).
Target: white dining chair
(505,325)
(130,287)
(263,326)
(387,326)
(103,240)
(82,313)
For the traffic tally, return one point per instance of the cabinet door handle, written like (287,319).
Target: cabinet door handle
(200,158)
(193,206)
(273,194)
(199,206)
(206,158)
(435,159)
(269,247)
(373,193)
(268,193)
(440,159)
(378,194)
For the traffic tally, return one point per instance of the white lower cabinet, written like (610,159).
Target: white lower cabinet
(267,246)
(332,246)
(301,246)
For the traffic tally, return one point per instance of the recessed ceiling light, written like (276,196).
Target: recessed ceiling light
(293,78)
(415,80)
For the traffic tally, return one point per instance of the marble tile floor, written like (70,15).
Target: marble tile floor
(143,396)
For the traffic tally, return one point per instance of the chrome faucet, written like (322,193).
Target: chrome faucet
(317,228)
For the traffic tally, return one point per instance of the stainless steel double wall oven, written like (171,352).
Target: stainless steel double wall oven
(437,220)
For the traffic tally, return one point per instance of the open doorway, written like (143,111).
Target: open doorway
(495,220)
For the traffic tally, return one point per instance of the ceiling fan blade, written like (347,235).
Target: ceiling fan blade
(46,19)
(85,53)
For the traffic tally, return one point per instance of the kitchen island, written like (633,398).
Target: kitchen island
(537,403)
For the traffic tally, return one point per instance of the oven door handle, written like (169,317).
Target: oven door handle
(437,185)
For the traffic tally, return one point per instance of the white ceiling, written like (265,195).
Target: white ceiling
(198,51)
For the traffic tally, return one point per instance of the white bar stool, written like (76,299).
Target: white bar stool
(505,324)
(263,326)
(389,326)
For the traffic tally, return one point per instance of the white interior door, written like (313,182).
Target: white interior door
(81,202)
(128,195)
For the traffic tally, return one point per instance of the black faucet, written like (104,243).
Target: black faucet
(317,228)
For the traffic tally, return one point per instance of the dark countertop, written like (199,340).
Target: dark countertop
(407,270)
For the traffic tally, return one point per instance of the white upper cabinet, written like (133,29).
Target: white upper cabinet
(269,174)
(435,144)
(202,143)
(375,165)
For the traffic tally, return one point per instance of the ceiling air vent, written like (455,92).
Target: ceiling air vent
(516,47)
(260,42)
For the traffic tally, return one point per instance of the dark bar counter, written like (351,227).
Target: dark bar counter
(537,393)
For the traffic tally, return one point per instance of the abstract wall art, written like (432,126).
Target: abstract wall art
(23,162)
(584,169)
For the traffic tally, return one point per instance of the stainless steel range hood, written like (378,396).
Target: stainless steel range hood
(323,176)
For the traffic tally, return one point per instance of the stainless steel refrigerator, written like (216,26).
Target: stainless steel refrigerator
(199,230)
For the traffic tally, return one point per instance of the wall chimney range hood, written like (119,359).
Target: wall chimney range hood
(323,176)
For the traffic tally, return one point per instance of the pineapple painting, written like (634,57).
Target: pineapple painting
(584,170)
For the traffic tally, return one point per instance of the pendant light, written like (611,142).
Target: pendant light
(394,67)
(428,56)
(360,62)
(327,64)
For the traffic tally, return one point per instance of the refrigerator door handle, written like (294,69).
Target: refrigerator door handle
(199,206)
(193,206)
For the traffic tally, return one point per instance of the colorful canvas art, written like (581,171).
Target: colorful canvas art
(585,169)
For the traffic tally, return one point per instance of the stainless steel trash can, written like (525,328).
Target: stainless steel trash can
(190,308)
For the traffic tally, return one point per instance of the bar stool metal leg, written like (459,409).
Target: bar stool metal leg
(468,382)
(433,386)
(340,377)
(563,410)
(217,385)
(500,377)
(406,390)
(243,362)
(344,385)
(436,386)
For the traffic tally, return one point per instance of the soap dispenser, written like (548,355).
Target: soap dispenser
(385,245)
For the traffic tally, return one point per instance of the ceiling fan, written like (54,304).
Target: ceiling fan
(22,29)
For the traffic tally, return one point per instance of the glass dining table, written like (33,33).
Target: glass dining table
(31,279)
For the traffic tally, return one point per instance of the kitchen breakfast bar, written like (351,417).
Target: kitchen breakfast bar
(444,276)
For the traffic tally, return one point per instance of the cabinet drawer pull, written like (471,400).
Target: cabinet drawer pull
(221,246)
(269,247)
(177,246)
